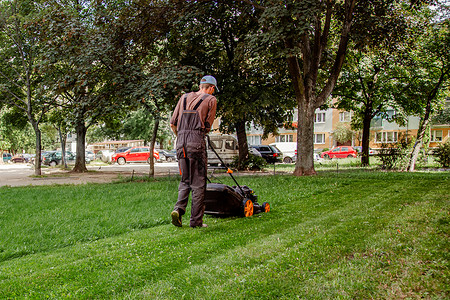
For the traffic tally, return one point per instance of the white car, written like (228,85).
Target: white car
(288,149)
(317,157)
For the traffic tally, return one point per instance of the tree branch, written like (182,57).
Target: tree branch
(340,55)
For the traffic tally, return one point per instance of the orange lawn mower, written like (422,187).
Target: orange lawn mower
(224,200)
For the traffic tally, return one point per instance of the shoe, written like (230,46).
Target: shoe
(201,226)
(176,219)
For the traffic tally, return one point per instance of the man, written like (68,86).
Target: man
(191,121)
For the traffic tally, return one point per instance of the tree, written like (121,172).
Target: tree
(138,124)
(427,75)
(313,37)
(214,36)
(366,87)
(20,69)
(57,118)
(343,133)
(150,76)
(79,60)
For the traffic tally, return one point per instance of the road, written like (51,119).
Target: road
(23,174)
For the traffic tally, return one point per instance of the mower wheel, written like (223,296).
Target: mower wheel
(266,207)
(247,207)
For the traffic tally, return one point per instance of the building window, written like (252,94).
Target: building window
(319,117)
(284,138)
(437,135)
(254,140)
(319,138)
(344,116)
(386,137)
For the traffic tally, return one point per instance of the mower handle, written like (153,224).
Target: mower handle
(229,171)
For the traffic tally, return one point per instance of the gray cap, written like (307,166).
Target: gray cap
(209,79)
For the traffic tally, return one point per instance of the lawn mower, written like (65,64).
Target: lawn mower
(225,200)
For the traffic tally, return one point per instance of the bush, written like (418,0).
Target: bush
(253,163)
(395,156)
(442,153)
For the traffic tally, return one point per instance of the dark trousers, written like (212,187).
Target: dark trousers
(193,178)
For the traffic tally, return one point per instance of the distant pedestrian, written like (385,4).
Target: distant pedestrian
(191,121)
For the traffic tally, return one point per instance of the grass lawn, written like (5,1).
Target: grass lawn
(348,234)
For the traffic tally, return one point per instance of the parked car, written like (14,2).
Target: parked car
(226,147)
(339,152)
(104,155)
(317,157)
(29,157)
(289,150)
(54,158)
(19,158)
(6,157)
(270,153)
(122,149)
(168,155)
(135,154)
(90,155)
(359,150)
(255,152)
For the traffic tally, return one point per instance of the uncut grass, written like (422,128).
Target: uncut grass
(36,219)
(350,235)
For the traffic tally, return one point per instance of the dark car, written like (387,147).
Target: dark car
(270,153)
(122,149)
(168,155)
(359,150)
(54,158)
(339,152)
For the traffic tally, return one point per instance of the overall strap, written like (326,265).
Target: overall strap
(184,102)
(200,102)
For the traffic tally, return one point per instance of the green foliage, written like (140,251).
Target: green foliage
(343,133)
(425,69)
(16,134)
(253,163)
(442,117)
(395,155)
(215,37)
(379,235)
(442,153)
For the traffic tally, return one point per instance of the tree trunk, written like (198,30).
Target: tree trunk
(37,159)
(366,136)
(305,144)
(242,143)
(151,171)
(424,122)
(305,130)
(80,161)
(62,139)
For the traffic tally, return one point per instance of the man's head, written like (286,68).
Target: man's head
(208,83)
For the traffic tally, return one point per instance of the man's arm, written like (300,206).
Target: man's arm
(174,129)
(211,114)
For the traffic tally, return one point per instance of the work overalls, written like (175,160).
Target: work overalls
(192,161)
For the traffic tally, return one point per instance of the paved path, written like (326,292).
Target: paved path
(23,174)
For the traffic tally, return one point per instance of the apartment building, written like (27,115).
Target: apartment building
(327,121)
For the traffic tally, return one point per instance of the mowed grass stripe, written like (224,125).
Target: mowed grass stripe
(262,258)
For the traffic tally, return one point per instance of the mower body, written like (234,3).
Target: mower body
(224,200)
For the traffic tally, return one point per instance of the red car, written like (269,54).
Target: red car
(135,154)
(339,152)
